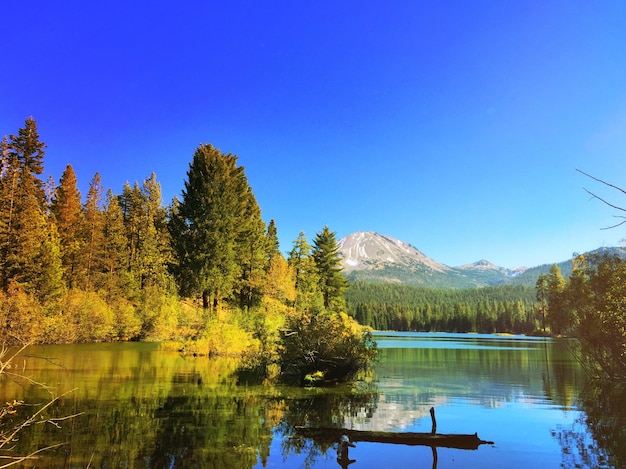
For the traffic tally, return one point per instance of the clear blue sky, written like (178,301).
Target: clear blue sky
(455,126)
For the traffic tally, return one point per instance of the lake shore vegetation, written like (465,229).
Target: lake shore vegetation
(589,305)
(204,273)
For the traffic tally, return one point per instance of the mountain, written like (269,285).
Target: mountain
(373,257)
(369,250)
(530,276)
(490,274)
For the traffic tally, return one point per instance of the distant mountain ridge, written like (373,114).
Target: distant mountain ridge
(372,257)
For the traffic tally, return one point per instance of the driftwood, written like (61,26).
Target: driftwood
(441,440)
(433,439)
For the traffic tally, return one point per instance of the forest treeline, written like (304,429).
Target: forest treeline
(506,308)
(125,266)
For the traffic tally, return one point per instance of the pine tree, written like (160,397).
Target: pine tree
(30,152)
(24,210)
(93,233)
(155,248)
(273,245)
(306,278)
(206,224)
(9,180)
(541,288)
(328,263)
(132,204)
(50,285)
(115,250)
(68,213)
(557,313)
(251,253)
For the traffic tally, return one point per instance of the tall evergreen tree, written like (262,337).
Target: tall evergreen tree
(542,292)
(155,249)
(132,204)
(68,213)
(273,245)
(328,263)
(306,278)
(251,253)
(29,151)
(115,250)
(93,233)
(24,216)
(206,223)
(557,313)
(50,285)
(9,182)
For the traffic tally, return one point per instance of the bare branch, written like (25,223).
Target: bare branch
(616,207)
(30,420)
(54,420)
(615,226)
(623,191)
(19,459)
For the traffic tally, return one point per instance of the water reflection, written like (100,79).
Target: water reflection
(596,439)
(321,409)
(144,408)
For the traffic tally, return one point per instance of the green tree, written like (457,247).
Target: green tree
(328,264)
(306,279)
(205,226)
(273,245)
(9,183)
(25,223)
(541,288)
(92,253)
(30,151)
(557,311)
(50,285)
(68,214)
(251,254)
(596,294)
(114,276)
(154,251)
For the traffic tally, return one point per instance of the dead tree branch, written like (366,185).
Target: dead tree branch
(604,201)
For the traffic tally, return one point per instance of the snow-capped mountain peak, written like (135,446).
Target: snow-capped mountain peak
(367,249)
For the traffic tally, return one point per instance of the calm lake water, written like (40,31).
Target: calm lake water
(145,408)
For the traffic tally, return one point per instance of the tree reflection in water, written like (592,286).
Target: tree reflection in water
(324,408)
(597,438)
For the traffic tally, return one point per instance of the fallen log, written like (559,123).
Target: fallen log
(432,439)
(441,440)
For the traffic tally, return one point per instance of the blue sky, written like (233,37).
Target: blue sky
(455,126)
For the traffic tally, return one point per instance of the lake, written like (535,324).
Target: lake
(141,407)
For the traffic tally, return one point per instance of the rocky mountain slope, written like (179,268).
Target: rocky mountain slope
(373,257)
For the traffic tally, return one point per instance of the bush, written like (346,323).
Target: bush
(259,360)
(323,347)
(21,316)
(85,318)
(220,338)
(127,323)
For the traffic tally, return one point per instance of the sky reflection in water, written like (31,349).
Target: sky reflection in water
(514,390)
